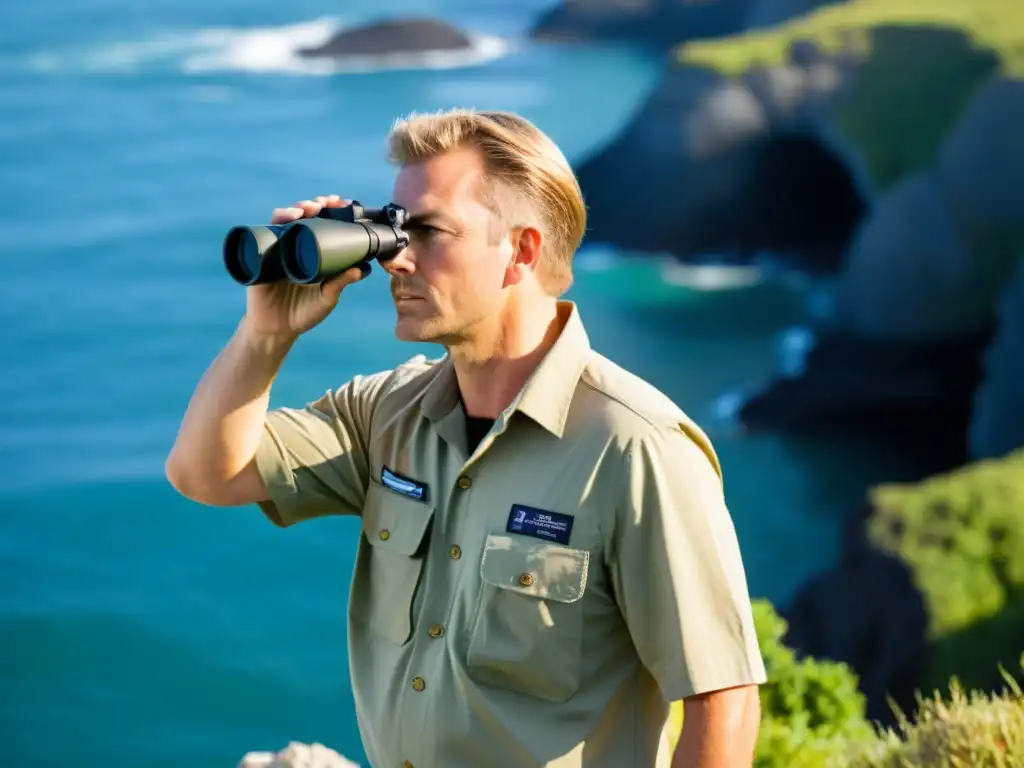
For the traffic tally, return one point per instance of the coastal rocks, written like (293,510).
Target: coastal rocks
(408,35)
(658,23)
(909,275)
(998,420)
(865,611)
(920,286)
(297,755)
(913,395)
(729,166)
(981,164)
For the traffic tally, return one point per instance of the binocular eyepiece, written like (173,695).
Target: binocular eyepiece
(316,249)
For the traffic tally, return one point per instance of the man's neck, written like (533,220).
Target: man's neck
(493,371)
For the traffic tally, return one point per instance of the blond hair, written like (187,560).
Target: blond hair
(528,175)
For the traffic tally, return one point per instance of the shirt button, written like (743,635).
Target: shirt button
(418,683)
(455,552)
(526,579)
(436,631)
(385,534)
(464,482)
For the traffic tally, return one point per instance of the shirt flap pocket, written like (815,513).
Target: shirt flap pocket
(539,569)
(394,522)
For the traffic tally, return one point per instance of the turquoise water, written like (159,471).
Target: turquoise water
(138,628)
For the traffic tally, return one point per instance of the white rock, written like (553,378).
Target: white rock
(297,755)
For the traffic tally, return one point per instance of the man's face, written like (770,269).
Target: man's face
(450,279)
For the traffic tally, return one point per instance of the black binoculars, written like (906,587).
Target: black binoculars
(316,249)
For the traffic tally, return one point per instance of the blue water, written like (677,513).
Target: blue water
(137,628)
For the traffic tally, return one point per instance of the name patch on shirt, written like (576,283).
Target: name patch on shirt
(403,485)
(539,523)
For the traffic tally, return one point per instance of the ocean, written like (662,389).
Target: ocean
(138,628)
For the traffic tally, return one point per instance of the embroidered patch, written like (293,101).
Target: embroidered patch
(539,523)
(403,485)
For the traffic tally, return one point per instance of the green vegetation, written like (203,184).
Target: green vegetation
(962,535)
(922,61)
(813,717)
(964,729)
(811,710)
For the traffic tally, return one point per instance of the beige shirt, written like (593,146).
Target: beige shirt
(539,602)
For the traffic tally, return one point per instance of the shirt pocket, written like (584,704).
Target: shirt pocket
(528,633)
(395,527)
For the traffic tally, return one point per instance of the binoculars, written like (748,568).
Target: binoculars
(316,249)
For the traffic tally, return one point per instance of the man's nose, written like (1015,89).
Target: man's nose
(402,263)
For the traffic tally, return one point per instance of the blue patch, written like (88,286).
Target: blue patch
(403,485)
(539,523)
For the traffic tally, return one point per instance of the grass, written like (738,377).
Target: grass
(961,730)
(922,61)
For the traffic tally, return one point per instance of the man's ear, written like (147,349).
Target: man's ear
(526,246)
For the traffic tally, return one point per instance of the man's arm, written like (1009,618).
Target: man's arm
(295,463)
(719,729)
(681,586)
(213,458)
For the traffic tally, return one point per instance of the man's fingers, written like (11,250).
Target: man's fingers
(307,208)
(285,215)
(332,201)
(310,208)
(332,288)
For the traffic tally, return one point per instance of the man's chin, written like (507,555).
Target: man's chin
(410,329)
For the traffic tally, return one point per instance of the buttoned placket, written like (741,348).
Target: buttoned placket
(430,642)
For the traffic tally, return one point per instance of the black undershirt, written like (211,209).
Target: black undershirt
(476,429)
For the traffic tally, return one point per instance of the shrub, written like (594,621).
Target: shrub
(811,710)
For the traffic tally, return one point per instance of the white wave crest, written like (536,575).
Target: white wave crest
(257,50)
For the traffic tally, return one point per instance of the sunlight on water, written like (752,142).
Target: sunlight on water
(255,49)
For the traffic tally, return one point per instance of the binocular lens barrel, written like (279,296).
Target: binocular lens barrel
(316,249)
(249,254)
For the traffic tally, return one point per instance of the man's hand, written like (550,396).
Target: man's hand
(719,729)
(284,308)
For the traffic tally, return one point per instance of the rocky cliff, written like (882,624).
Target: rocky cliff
(876,145)
(872,142)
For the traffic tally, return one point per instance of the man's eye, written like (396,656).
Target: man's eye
(424,231)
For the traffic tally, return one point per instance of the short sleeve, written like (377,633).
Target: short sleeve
(677,571)
(314,460)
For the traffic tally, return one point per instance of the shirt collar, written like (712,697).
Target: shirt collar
(547,394)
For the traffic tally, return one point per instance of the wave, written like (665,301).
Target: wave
(264,50)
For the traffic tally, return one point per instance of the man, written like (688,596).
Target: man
(546,557)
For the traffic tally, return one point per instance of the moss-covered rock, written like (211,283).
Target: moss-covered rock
(920,64)
(962,535)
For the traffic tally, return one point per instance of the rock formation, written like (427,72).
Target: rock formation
(865,611)
(998,417)
(408,35)
(712,164)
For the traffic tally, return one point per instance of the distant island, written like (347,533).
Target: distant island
(403,35)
